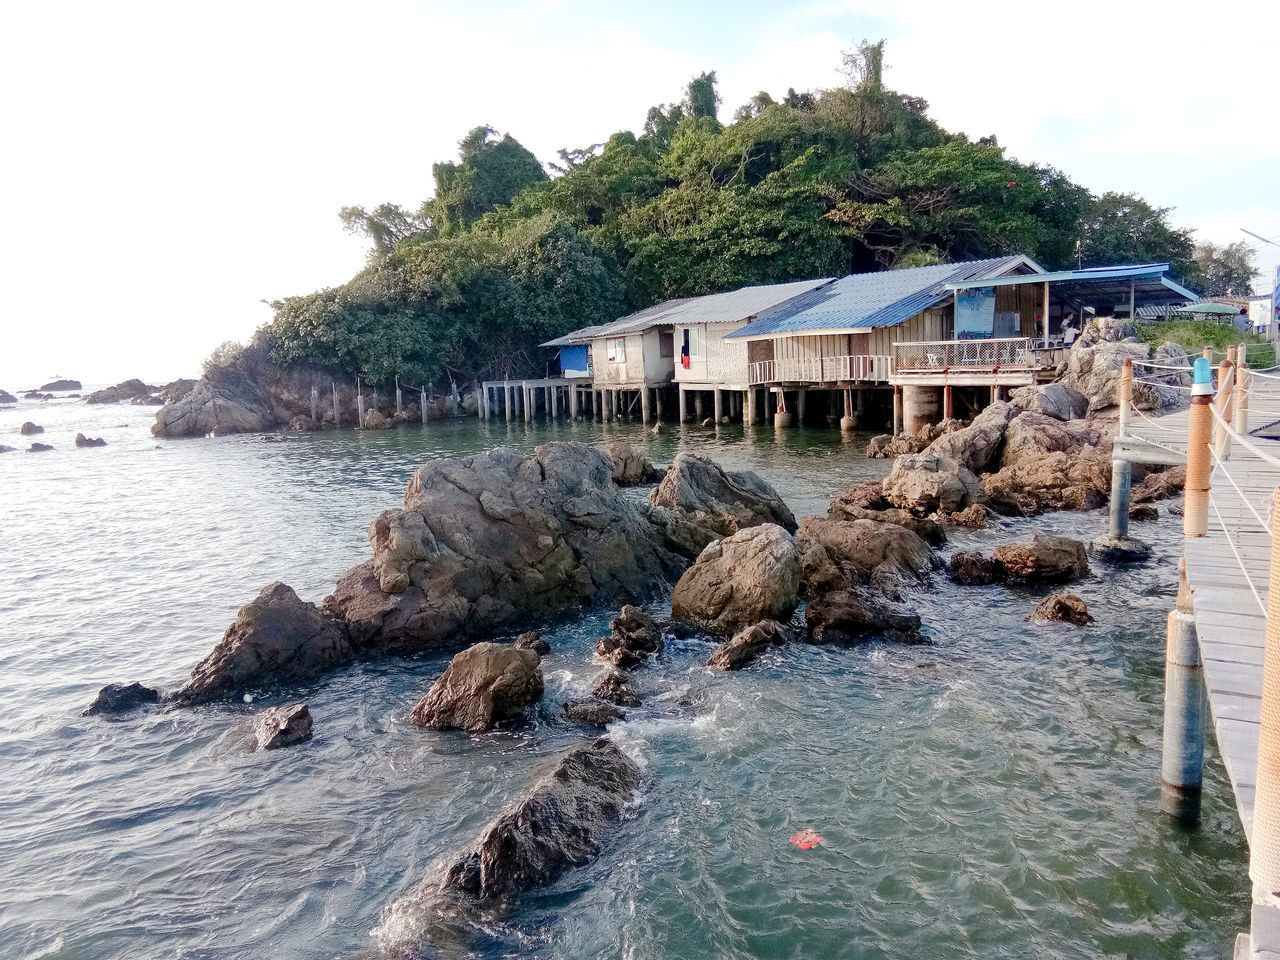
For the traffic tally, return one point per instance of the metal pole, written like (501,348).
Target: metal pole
(1185,710)
(1195,507)
(1121,468)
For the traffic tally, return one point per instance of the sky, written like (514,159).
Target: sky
(168,167)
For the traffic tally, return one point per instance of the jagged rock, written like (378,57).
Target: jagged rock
(634,637)
(1095,365)
(835,553)
(126,391)
(30,429)
(630,466)
(488,539)
(175,390)
(1045,558)
(612,685)
(713,502)
(1120,550)
(1056,400)
(973,516)
(39,448)
(276,638)
(925,528)
(36,395)
(970,568)
(282,727)
(974,447)
(861,496)
(210,410)
(374,420)
(1143,513)
(303,424)
(854,614)
(63,385)
(532,640)
(927,482)
(1054,481)
(116,698)
(593,713)
(886,445)
(4,449)
(483,685)
(750,576)
(83,441)
(1061,608)
(1159,486)
(562,823)
(747,645)
(1032,436)
(7,397)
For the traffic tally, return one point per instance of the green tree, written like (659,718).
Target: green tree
(701,97)
(1219,271)
(490,172)
(1123,228)
(385,226)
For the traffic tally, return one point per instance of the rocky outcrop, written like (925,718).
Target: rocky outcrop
(1032,436)
(592,713)
(927,482)
(563,823)
(276,638)
(483,685)
(970,568)
(974,517)
(704,502)
(1159,486)
(39,448)
(532,640)
(747,645)
(83,441)
(1061,608)
(126,391)
(886,445)
(7,397)
(62,385)
(856,614)
(1045,558)
(868,495)
(1094,367)
(926,528)
(634,637)
(29,429)
(750,576)
(281,727)
(212,410)
(1056,400)
(614,686)
(835,553)
(976,446)
(118,697)
(630,466)
(1047,464)
(485,540)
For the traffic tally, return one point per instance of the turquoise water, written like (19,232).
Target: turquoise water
(990,795)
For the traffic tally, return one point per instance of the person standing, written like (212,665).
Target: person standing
(1069,330)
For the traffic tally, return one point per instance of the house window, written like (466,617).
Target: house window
(616,350)
(692,346)
(666,345)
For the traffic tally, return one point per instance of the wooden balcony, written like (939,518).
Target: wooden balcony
(850,369)
(1010,360)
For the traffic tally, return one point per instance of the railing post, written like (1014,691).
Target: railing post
(1223,403)
(1121,467)
(1243,386)
(1264,848)
(1185,710)
(1195,507)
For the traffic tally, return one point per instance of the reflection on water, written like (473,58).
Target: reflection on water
(991,795)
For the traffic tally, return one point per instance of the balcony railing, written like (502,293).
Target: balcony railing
(1008,353)
(876,369)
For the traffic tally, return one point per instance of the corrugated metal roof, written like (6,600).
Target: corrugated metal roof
(733,306)
(881,299)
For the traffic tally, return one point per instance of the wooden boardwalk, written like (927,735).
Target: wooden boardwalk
(1228,571)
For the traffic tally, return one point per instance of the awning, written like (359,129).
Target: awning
(1104,287)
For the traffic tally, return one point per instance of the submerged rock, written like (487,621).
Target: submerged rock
(630,466)
(1143,513)
(970,568)
(747,645)
(483,685)
(855,614)
(83,441)
(276,638)
(634,637)
(750,576)
(7,397)
(39,448)
(117,698)
(1120,550)
(29,429)
(613,685)
(282,727)
(1045,558)
(1061,608)
(834,553)
(532,640)
(592,713)
(126,391)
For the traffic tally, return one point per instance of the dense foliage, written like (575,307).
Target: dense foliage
(817,184)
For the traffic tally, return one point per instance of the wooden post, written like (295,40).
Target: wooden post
(1223,403)
(337,415)
(644,404)
(1243,377)
(1264,846)
(359,405)
(1185,709)
(1046,313)
(1195,506)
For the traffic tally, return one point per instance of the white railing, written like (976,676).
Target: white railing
(1006,353)
(821,370)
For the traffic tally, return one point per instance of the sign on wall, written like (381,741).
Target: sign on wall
(975,313)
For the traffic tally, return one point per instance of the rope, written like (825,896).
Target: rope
(1248,442)
(1239,560)
(1226,472)
(1152,420)
(1162,366)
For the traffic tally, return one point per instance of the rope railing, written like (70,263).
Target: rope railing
(1239,559)
(1248,441)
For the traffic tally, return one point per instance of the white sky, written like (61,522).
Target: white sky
(167,166)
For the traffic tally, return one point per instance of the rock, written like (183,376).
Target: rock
(747,645)
(927,482)
(1032,436)
(303,424)
(973,516)
(708,423)
(713,502)
(855,614)
(657,429)
(1094,368)
(127,391)
(7,397)
(276,638)
(1176,509)
(887,445)
(4,449)
(36,395)
(634,636)
(970,568)
(374,420)
(974,447)
(1159,486)
(1120,550)
(116,698)
(175,390)
(1056,400)
(563,823)
(1061,608)
(39,448)
(612,685)
(925,528)
(861,496)
(483,685)
(532,640)
(836,553)
(1055,481)
(282,727)
(83,441)
(593,713)
(1045,558)
(1142,513)
(29,429)
(63,385)
(486,540)
(750,576)
(212,410)
(630,466)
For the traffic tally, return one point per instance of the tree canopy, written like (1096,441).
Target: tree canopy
(818,183)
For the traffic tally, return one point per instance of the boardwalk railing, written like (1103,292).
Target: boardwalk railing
(847,369)
(931,356)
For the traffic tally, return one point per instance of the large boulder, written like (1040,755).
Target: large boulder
(970,568)
(835,553)
(1056,400)
(1045,558)
(747,645)
(1032,436)
(927,482)
(974,447)
(563,823)
(634,637)
(750,576)
(275,638)
(1053,481)
(1094,368)
(592,713)
(126,391)
(714,502)
(886,445)
(630,466)
(486,540)
(281,727)
(868,495)
(855,614)
(1159,486)
(614,685)
(29,429)
(7,397)
(483,685)
(212,410)
(62,385)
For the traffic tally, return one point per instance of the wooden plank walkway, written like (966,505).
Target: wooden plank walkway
(1228,571)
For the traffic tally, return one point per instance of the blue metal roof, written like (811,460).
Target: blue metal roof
(882,299)
(1145,281)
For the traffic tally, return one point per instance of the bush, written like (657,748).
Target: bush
(1196,334)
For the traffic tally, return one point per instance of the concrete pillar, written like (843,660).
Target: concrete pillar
(644,404)
(847,422)
(553,393)
(751,408)
(659,401)
(684,412)
(573,401)
(528,403)
(506,400)
(1185,711)
(697,405)
(781,415)
(422,404)
(800,398)
(598,405)
(921,406)
(1122,470)
(359,405)
(897,411)
(717,404)
(399,399)
(315,404)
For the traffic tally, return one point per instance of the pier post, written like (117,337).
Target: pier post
(684,411)
(1226,406)
(1241,419)
(897,410)
(718,405)
(315,403)
(399,401)
(800,398)
(644,404)
(781,416)
(697,405)
(1264,846)
(359,405)
(573,401)
(1185,710)
(597,404)
(337,416)
(1195,506)
(847,421)
(658,402)
(422,404)
(555,400)
(528,403)
(1121,468)
(946,402)
(750,417)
